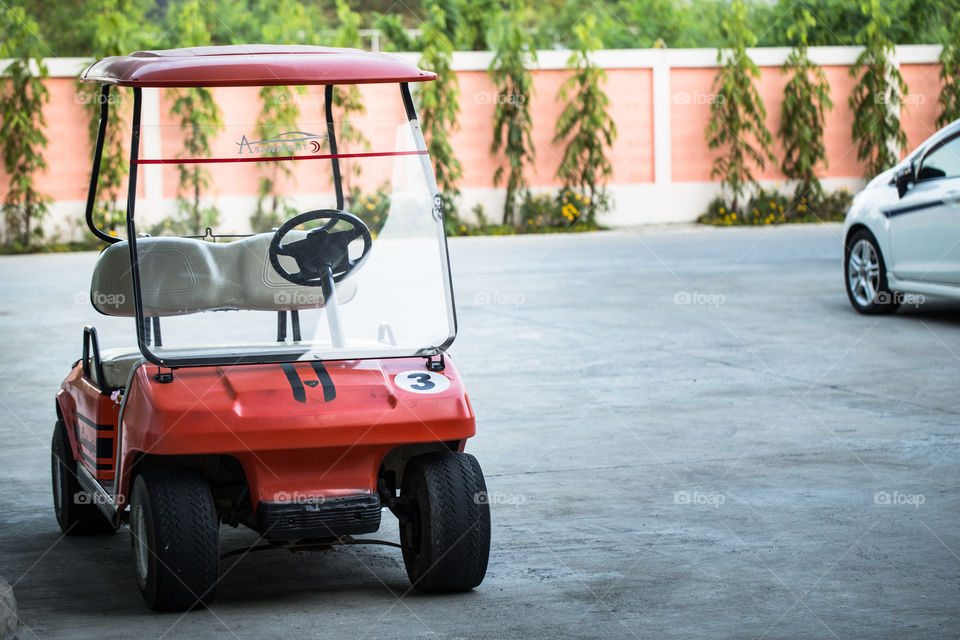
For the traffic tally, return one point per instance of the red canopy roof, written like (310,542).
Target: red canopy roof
(252,65)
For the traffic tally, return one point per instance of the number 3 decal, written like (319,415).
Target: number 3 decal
(422,381)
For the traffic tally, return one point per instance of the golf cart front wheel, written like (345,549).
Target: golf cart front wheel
(446,534)
(76,512)
(175,538)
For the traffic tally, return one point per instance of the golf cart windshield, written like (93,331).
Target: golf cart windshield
(325,241)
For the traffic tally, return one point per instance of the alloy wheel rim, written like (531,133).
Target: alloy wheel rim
(863,272)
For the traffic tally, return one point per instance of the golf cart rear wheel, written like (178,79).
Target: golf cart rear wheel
(76,513)
(446,534)
(175,538)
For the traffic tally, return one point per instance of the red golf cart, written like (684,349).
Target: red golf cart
(219,413)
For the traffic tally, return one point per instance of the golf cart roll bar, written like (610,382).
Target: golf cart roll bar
(95,175)
(230,66)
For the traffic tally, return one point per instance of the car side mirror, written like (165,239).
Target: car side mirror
(904,179)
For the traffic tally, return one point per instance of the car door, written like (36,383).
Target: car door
(925,222)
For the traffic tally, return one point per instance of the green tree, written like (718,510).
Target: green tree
(512,123)
(347,100)
(440,105)
(118,29)
(805,100)
(737,126)
(878,96)
(476,17)
(949,99)
(585,125)
(284,22)
(199,117)
(396,37)
(21,131)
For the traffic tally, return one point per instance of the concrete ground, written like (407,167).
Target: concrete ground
(687,433)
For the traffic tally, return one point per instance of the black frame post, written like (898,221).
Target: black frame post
(332,141)
(104,97)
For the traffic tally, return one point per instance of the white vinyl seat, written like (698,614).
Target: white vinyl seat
(186,275)
(117,364)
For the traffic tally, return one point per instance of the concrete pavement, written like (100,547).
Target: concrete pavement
(686,432)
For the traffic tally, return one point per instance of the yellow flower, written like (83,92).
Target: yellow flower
(756,211)
(780,208)
(733,216)
(801,208)
(113,233)
(376,218)
(529,220)
(773,205)
(463,228)
(722,210)
(370,207)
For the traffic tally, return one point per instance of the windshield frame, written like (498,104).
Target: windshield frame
(290,352)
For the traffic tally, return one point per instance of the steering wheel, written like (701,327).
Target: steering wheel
(321,250)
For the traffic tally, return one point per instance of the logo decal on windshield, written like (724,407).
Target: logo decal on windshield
(287,142)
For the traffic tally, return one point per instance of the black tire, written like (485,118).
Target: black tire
(173,513)
(446,535)
(865,277)
(76,513)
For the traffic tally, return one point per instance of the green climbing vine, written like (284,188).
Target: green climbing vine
(21,131)
(199,118)
(586,126)
(878,96)
(286,21)
(737,126)
(116,31)
(806,98)
(514,54)
(440,105)
(949,99)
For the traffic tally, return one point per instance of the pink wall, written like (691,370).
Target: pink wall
(630,91)
(692,92)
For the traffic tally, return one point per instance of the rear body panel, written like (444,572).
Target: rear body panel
(91,420)
(307,431)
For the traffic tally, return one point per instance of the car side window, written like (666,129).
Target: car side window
(942,162)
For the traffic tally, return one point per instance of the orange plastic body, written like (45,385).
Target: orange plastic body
(292,442)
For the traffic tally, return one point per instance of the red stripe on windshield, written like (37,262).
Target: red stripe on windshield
(383,154)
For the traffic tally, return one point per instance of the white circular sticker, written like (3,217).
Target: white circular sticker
(422,381)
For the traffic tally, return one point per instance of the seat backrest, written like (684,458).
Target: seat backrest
(179,276)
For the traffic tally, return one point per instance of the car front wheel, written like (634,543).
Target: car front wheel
(866,276)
